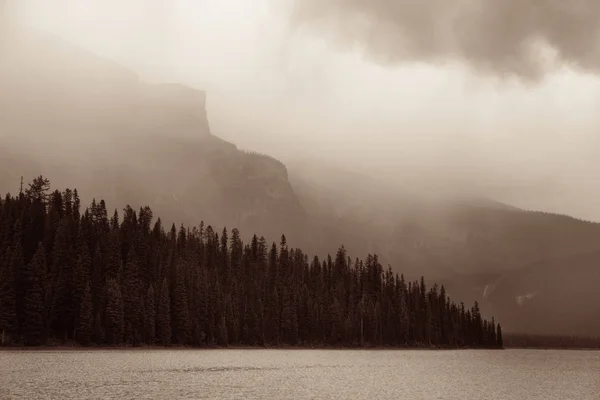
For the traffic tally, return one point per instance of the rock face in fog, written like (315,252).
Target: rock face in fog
(85,121)
(49,83)
(172,107)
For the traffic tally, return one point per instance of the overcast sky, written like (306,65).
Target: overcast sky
(366,88)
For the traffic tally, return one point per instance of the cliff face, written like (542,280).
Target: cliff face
(46,83)
(84,121)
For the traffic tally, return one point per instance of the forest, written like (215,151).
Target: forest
(90,278)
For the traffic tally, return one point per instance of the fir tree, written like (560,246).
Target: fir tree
(499,340)
(85,324)
(98,330)
(163,315)
(181,316)
(131,297)
(34,300)
(150,317)
(8,315)
(114,313)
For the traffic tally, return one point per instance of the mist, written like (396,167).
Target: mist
(482,111)
(524,39)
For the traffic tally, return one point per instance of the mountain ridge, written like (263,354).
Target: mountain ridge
(113,146)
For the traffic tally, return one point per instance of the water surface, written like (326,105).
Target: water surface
(300,374)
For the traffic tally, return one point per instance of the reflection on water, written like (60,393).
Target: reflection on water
(300,374)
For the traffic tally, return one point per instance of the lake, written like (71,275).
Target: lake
(300,374)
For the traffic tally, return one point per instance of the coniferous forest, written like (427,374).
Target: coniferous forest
(73,276)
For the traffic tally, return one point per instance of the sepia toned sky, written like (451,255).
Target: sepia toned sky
(499,100)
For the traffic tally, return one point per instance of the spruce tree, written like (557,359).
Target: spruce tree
(150,317)
(163,315)
(181,316)
(8,315)
(20,278)
(131,297)
(63,305)
(114,313)
(85,324)
(34,300)
(499,340)
(98,335)
(81,279)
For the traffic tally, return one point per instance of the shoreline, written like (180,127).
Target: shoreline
(552,348)
(183,348)
(59,348)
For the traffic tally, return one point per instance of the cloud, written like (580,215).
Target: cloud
(503,38)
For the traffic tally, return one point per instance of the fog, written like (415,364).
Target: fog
(501,103)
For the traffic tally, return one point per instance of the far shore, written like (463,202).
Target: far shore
(212,348)
(184,348)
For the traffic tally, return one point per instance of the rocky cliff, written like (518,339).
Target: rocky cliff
(84,121)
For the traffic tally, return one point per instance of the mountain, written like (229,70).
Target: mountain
(87,122)
(80,119)
(536,272)
(451,235)
(558,295)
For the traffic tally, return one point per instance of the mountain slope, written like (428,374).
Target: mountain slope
(87,122)
(536,272)
(83,120)
(558,295)
(449,234)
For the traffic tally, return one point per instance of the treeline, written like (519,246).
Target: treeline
(68,276)
(523,340)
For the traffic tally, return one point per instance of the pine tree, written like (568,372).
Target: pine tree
(163,315)
(63,305)
(150,317)
(181,316)
(114,313)
(81,279)
(98,330)
(131,297)
(20,278)
(85,327)
(499,341)
(222,337)
(8,315)
(34,299)
(114,262)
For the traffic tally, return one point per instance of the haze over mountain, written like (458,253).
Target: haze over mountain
(421,179)
(284,88)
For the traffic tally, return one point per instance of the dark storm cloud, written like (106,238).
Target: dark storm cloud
(499,37)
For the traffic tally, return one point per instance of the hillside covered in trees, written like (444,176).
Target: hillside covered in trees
(63,108)
(86,277)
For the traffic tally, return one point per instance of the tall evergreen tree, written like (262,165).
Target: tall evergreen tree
(8,315)
(150,317)
(85,321)
(34,299)
(163,315)
(114,313)
(131,297)
(499,341)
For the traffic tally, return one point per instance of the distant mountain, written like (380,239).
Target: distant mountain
(84,121)
(452,235)
(536,272)
(80,119)
(558,295)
